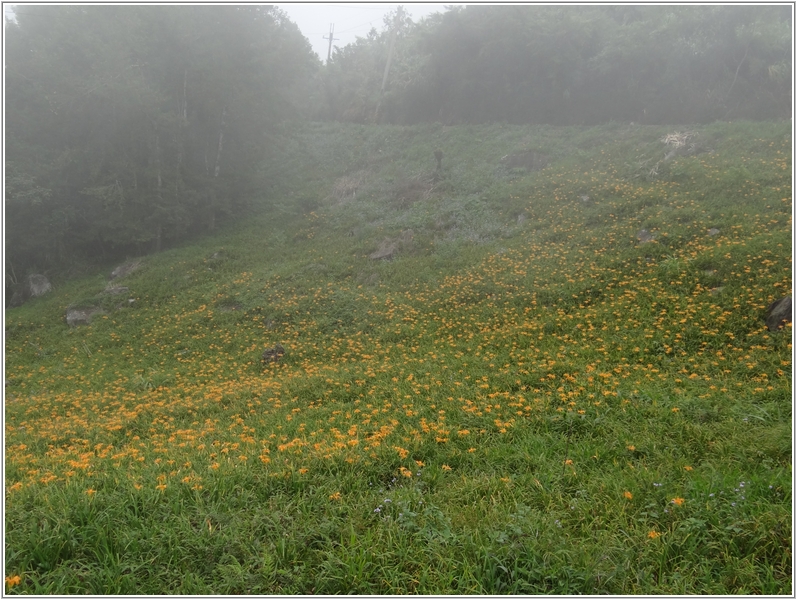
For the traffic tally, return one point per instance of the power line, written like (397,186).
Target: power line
(356,26)
(344,31)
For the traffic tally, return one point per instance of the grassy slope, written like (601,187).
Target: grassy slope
(526,399)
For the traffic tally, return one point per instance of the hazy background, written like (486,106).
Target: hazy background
(130,128)
(351,20)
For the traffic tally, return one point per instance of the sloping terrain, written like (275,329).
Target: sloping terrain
(542,367)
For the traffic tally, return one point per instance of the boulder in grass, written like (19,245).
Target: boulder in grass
(115,290)
(644,236)
(273,354)
(125,269)
(32,286)
(385,252)
(81,316)
(779,313)
(38,285)
(390,246)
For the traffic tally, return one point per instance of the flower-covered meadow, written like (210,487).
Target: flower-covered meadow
(527,398)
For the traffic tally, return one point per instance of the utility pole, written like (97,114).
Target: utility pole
(396,25)
(331,30)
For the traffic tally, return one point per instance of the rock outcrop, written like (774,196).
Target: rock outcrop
(81,316)
(32,287)
(125,269)
(273,354)
(390,246)
(779,313)
(644,236)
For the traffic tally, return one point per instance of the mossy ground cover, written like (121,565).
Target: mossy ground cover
(524,399)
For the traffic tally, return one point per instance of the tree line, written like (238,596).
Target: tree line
(569,65)
(128,128)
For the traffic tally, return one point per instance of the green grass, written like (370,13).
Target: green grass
(508,406)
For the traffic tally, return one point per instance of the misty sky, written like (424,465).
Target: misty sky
(351,20)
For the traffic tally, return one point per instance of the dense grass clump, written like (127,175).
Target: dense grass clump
(525,398)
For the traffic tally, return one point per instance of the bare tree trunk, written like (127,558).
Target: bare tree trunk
(158,162)
(185,96)
(160,191)
(221,143)
(393,35)
(177,168)
(212,210)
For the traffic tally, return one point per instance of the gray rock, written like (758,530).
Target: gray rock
(115,290)
(779,313)
(713,231)
(644,236)
(81,316)
(125,269)
(386,251)
(390,246)
(32,286)
(38,285)
(273,354)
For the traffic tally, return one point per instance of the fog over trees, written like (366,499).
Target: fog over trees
(132,127)
(127,126)
(572,65)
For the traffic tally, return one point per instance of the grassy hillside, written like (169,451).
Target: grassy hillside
(525,397)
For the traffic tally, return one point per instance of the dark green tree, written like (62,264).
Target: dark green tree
(128,127)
